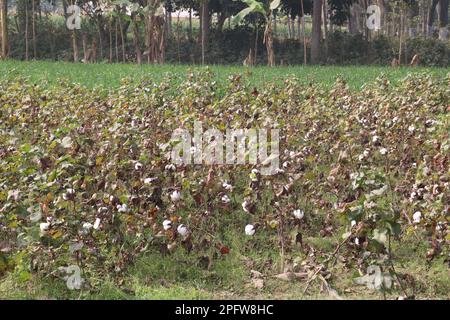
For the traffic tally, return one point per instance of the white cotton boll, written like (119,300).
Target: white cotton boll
(250,230)
(353,223)
(244,206)
(122,208)
(170,167)
(383,151)
(149,180)
(225,199)
(411,128)
(175,196)
(375,138)
(43,227)
(227,186)
(182,230)
(357,241)
(167,224)
(102,209)
(69,194)
(97,224)
(87,226)
(299,214)
(138,166)
(366,152)
(255,171)
(417,216)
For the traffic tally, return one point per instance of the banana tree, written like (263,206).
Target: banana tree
(266,11)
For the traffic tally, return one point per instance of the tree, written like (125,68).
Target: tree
(316,31)
(4,29)
(443,18)
(266,11)
(205,20)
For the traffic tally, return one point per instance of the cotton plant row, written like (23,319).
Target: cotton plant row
(87,179)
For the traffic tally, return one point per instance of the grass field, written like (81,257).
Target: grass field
(109,76)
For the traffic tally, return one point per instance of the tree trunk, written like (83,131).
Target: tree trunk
(400,36)
(75,45)
(94,49)
(85,49)
(354,19)
(136,40)
(33,26)
(122,39)
(443,20)
(221,21)
(110,42)
(190,23)
(26,30)
(316,31)
(116,38)
(305,59)
(100,40)
(275,24)
(413,12)
(205,21)
(431,16)
(4,29)
(288,27)
(268,41)
(325,26)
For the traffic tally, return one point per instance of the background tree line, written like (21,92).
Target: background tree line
(225,31)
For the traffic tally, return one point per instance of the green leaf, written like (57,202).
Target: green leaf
(274,4)
(241,15)
(380,236)
(394,227)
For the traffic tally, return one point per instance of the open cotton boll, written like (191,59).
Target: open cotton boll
(102,209)
(69,194)
(245,206)
(122,208)
(227,186)
(225,199)
(167,224)
(43,227)
(170,167)
(250,230)
(175,196)
(383,151)
(138,166)
(97,223)
(149,180)
(182,230)
(87,226)
(417,216)
(299,214)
